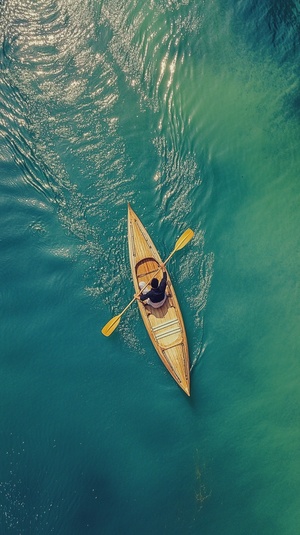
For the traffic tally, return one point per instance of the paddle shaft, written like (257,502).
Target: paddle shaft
(181,242)
(148,282)
(114,322)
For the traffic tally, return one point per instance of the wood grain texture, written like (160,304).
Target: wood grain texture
(165,324)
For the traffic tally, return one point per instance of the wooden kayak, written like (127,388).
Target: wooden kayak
(165,324)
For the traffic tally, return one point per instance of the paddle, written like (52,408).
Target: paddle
(109,328)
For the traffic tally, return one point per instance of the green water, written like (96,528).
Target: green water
(189,111)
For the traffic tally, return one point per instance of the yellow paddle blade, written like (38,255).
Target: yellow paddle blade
(184,239)
(111,325)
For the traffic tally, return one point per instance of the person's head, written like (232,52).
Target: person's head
(154,283)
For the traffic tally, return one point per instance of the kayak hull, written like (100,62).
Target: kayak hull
(164,325)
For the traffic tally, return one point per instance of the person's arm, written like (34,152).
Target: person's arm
(142,297)
(163,282)
(163,268)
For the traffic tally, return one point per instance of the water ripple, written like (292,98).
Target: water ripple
(72,81)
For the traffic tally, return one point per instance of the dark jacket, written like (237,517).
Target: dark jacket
(156,294)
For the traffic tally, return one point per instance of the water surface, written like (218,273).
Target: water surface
(190,112)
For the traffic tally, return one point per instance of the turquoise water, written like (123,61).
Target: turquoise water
(190,111)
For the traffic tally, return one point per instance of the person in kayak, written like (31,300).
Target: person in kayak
(157,295)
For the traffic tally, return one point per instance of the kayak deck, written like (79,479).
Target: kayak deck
(165,324)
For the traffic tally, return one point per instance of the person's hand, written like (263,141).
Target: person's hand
(162,265)
(137,296)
